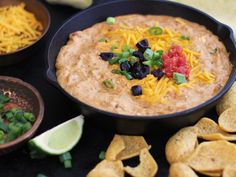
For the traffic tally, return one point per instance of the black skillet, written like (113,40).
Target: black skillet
(136,125)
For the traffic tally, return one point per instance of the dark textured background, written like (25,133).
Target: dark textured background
(58,109)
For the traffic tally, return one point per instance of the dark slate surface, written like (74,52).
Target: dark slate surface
(58,109)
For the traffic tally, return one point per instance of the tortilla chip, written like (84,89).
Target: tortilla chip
(116,146)
(107,169)
(181,170)
(181,145)
(147,167)
(228,100)
(229,171)
(212,173)
(125,147)
(212,156)
(210,130)
(227,120)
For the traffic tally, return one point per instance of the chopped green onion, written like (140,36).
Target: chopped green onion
(102,155)
(29,116)
(111,20)
(122,60)
(11,136)
(66,159)
(65,156)
(4,99)
(67,164)
(9,116)
(124,73)
(185,37)
(125,54)
(126,48)
(114,46)
(103,40)
(108,84)
(155,30)
(3,126)
(148,63)
(1,106)
(148,54)
(179,78)
(41,175)
(114,61)
(27,126)
(2,134)
(157,54)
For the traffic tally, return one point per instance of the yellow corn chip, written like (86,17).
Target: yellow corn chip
(147,167)
(181,145)
(210,130)
(107,169)
(228,100)
(181,170)
(212,156)
(229,171)
(125,147)
(227,120)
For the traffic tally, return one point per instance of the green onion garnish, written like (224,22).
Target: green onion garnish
(41,175)
(66,159)
(111,20)
(103,40)
(185,37)
(108,84)
(102,155)
(148,54)
(2,134)
(179,78)
(124,73)
(114,46)
(155,30)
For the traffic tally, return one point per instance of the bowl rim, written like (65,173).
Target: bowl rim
(39,118)
(213,99)
(43,34)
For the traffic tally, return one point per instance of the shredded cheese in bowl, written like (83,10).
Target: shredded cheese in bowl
(18,28)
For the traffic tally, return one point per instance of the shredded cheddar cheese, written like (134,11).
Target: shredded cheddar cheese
(155,90)
(18,28)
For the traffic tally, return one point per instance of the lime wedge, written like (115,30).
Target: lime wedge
(61,138)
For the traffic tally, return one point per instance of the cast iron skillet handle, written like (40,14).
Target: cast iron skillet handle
(51,77)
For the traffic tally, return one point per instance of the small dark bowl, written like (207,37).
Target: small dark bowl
(135,125)
(26,97)
(42,14)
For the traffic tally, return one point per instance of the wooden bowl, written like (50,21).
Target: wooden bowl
(26,97)
(42,14)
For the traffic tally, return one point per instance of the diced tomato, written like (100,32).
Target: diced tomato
(9,106)
(175,61)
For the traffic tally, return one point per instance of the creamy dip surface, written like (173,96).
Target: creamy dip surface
(81,71)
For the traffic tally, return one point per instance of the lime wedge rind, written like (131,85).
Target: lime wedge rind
(42,141)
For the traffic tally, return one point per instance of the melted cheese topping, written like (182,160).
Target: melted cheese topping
(18,28)
(155,90)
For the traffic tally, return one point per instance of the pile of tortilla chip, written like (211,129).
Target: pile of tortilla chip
(213,155)
(123,148)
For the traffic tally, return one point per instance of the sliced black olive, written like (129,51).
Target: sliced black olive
(125,66)
(142,45)
(158,73)
(139,71)
(139,55)
(136,90)
(106,56)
